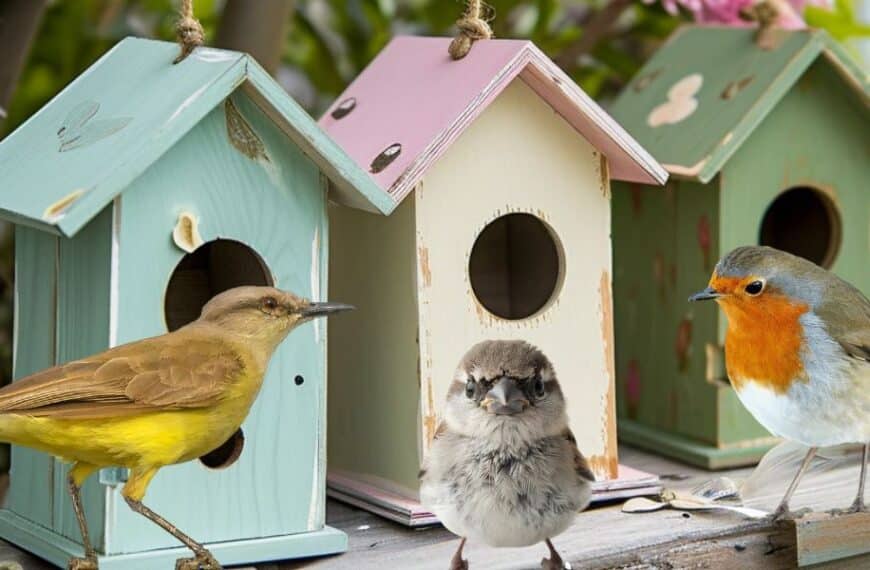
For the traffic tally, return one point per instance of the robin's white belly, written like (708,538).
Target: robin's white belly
(815,416)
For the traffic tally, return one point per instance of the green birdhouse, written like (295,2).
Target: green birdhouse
(764,145)
(138,193)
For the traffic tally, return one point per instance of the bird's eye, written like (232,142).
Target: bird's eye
(755,288)
(538,387)
(470,388)
(270,304)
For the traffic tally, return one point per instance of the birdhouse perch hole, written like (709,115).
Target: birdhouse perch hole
(516,265)
(210,269)
(804,221)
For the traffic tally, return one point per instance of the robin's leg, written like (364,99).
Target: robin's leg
(133,493)
(74,481)
(858,506)
(554,562)
(457,562)
(782,511)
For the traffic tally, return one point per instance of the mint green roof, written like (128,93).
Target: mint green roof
(70,159)
(737,84)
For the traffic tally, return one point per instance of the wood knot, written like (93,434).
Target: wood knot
(472,27)
(190,35)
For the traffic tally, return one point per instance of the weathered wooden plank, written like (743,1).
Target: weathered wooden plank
(84,278)
(31,487)
(822,538)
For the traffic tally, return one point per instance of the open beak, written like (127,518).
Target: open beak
(706,295)
(505,398)
(314,310)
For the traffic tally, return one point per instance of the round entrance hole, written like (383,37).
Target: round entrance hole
(212,268)
(227,453)
(515,266)
(803,221)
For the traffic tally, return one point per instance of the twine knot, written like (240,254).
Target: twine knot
(188,30)
(472,27)
(766,13)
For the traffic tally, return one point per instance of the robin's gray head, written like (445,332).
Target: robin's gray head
(264,313)
(500,382)
(749,274)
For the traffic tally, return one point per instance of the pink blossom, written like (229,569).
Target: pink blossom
(729,12)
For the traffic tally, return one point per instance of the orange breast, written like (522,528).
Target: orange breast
(763,342)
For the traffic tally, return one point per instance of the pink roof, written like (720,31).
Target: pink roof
(415,96)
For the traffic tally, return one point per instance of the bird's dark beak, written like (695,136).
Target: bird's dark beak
(505,398)
(313,310)
(705,295)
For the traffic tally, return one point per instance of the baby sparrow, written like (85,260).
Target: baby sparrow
(504,466)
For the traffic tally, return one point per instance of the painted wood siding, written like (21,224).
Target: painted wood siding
(277,206)
(374,386)
(520,156)
(816,136)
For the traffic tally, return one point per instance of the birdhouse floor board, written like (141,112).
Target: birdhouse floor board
(690,450)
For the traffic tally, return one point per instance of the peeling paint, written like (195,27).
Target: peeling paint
(425,272)
(681,102)
(715,364)
(186,232)
(604,175)
(430,420)
(705,240)
(607,337)
(683,343)
(726,139)
(687,171)
(58,209)
(735,87)
(242,135)
(604,466)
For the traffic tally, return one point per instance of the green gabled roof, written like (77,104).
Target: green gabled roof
(70,159)
(739,84)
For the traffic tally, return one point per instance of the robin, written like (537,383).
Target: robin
(504,467)
(797,351)
(157,401)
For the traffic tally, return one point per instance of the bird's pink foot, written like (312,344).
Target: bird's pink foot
(859,506)
(554,562)
(83,564)
(458,562)
(202,561)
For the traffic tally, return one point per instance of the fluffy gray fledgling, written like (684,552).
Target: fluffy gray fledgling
(504,467)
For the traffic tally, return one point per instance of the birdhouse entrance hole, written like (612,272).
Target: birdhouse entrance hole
(212,268)
(515,266)
(803,221)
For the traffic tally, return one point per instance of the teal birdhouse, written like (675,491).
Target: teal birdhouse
(764,145)
(139,192)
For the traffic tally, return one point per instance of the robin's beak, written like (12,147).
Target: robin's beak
(505,398)
(313,310)
(705,295)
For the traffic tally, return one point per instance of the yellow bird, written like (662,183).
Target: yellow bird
(156,402)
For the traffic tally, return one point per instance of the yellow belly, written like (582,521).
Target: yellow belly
(147,440)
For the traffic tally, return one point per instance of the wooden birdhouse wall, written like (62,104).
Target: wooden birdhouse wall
(62,313)
(374,379)
(815,138)
(108,286)
(519,156)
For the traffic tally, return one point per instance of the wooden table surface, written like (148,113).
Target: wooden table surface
(603,537)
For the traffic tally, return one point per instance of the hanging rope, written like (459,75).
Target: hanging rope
(188,30)
(766,14)
(472,27)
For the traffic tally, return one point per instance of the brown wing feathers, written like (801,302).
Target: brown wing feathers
(162,373)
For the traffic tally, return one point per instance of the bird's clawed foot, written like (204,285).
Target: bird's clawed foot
(457,562)
(859,506)
(554,562)
(88,563)
(783,513)
(202,561)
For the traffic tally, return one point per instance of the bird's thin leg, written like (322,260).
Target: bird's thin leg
(858,506)
(457,562)
(782,511)
(554,562)
(76,477)
(133,492)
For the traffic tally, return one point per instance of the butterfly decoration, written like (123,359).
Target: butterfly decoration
(81,129)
